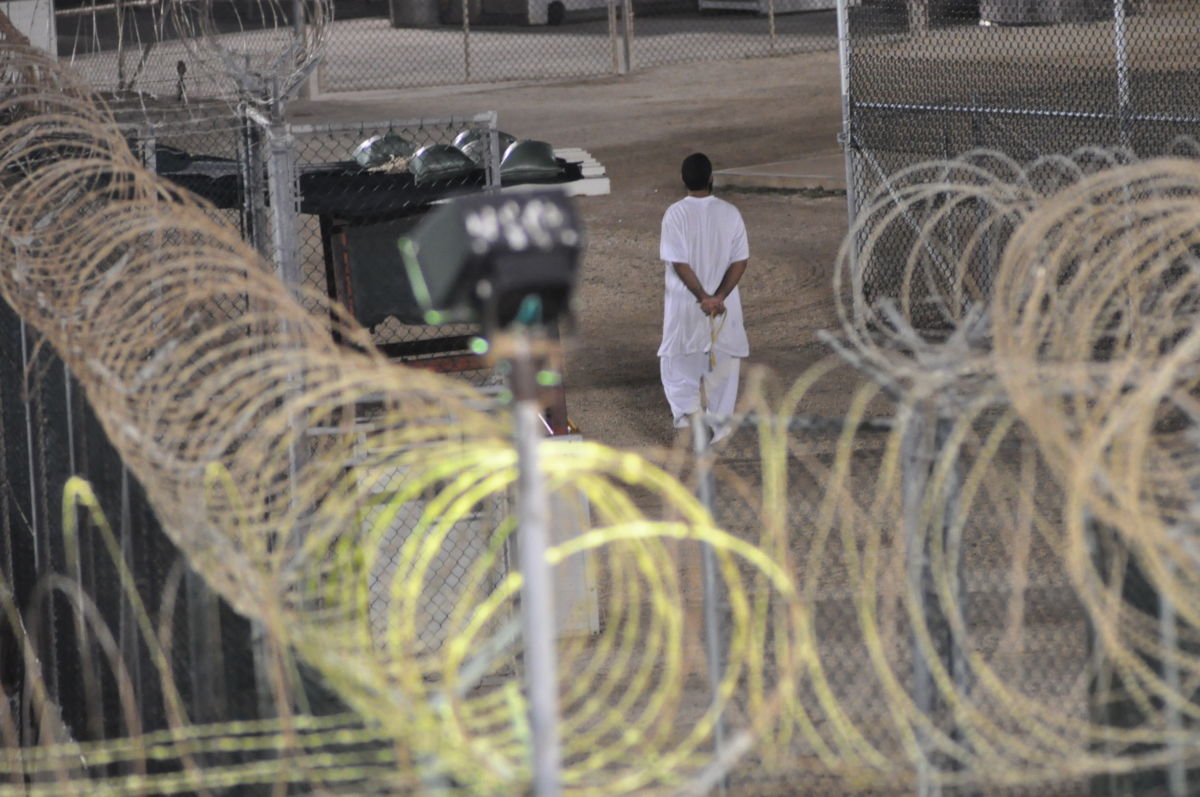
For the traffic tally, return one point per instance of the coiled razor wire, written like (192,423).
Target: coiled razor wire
(1051,394)
(211,408)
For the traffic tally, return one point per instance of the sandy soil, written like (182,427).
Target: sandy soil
(640,127)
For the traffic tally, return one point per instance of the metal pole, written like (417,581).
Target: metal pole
(254,202)
(951,529)
(493,157)
(466,12)
(29,442)
(119,8)
(298,22)
(312,85)
(1120,45)
(915,458)
(1176,767)
(285,208)
(537,587)
(282,189)
(627,20)
(712,594)
(846,137)
(612,38)
(771,22)
(127,624)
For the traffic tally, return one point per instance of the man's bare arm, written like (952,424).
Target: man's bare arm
(732,275)
(692,283)
(690,280)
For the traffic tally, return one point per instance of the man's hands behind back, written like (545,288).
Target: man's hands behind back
(712,305)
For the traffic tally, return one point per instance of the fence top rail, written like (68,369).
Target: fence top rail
(488,118)
(1047,112)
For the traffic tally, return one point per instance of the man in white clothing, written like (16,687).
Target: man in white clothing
(705,250)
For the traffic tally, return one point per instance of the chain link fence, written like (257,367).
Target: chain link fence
(497,42)
(934,619)
(450,578)
(137,48)
(326,205)
(134,49)
(355,203)
(77,632)
(932,79)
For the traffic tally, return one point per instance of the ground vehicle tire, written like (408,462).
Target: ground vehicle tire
(556,12)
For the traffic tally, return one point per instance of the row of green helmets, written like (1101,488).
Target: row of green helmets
(524,160)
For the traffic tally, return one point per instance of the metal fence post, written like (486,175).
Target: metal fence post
(284,195)
(617,64)
(947,525)
(1177,779)
(34,523)
(466,12)
(924,438)
(283,192)
(915,457)
(493,155)
(627,33)
(127,629)
(771,23)
(254,205)
(846,136)
(1120,52)
(537,584)
(712,587)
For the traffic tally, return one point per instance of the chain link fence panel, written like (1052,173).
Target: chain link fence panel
(361,188)
(132,48)
(928,79)
(162,52)
(501,42)
(880,626)
(372,53)
(449,580)
(719,30)
(327,204)
(48,435)
(141,49)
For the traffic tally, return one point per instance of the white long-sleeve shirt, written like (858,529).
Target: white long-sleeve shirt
(708,234)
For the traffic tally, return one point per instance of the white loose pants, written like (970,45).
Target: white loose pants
(683,376)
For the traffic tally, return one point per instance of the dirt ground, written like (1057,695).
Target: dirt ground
(640,127)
